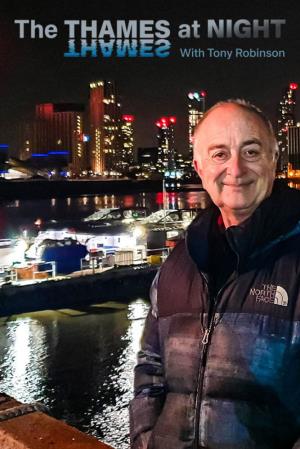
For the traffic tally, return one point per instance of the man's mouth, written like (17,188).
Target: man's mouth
(242,184)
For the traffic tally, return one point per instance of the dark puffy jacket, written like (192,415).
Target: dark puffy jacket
(223,372)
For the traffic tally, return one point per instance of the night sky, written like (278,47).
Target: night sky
(35,71)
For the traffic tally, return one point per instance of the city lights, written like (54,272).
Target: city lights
(99,140)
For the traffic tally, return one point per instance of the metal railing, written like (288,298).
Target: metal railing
(51,270)
(7,274)
(93,263)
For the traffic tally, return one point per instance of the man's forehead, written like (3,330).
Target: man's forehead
(224,117)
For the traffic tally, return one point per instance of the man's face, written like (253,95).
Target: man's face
(233,157)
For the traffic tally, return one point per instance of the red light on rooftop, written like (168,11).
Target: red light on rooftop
(128,118)
(164,122)
(158,123)
(173,119)
(293,86)
(44,110)
(203,93)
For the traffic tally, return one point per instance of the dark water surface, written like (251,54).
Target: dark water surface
(78,363)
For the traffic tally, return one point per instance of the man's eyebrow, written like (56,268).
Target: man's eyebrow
(217,146)
(222,146)
(251,141)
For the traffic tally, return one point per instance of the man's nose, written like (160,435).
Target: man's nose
(236,165)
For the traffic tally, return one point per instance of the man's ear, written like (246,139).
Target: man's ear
(197,167)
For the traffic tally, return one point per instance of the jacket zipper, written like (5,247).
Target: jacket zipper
(205,346)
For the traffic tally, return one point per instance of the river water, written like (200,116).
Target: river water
(79,363)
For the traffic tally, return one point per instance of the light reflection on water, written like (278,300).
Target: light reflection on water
(78,363)
(23,353)
(19,215)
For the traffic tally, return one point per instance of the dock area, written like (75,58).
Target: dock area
(120,283)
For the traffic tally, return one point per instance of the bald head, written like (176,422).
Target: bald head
(248,108)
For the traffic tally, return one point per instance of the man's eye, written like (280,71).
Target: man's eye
(251,153)
(219,156)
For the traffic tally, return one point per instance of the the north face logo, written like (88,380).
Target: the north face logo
(281,296)
(272,294)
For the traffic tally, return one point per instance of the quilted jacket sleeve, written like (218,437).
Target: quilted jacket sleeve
(149,388)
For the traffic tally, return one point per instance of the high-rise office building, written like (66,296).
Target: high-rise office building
(125,153)
(58,135)
(286,118)
(293,144)
(105,119)
(166,144)
(196,109)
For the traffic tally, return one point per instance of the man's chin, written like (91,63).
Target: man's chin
(241,205)
(237,202)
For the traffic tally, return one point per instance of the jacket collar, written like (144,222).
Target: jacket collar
(274,220)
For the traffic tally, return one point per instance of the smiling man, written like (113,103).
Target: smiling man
(235,155)
(219,366)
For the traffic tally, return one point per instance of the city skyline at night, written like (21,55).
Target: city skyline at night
(114,148)
(34,71)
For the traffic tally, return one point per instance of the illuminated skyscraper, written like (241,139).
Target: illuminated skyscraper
(293,143)
(125,154)
(166,144)
(58,135)
(286,118)
(105,120)
(196,108)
